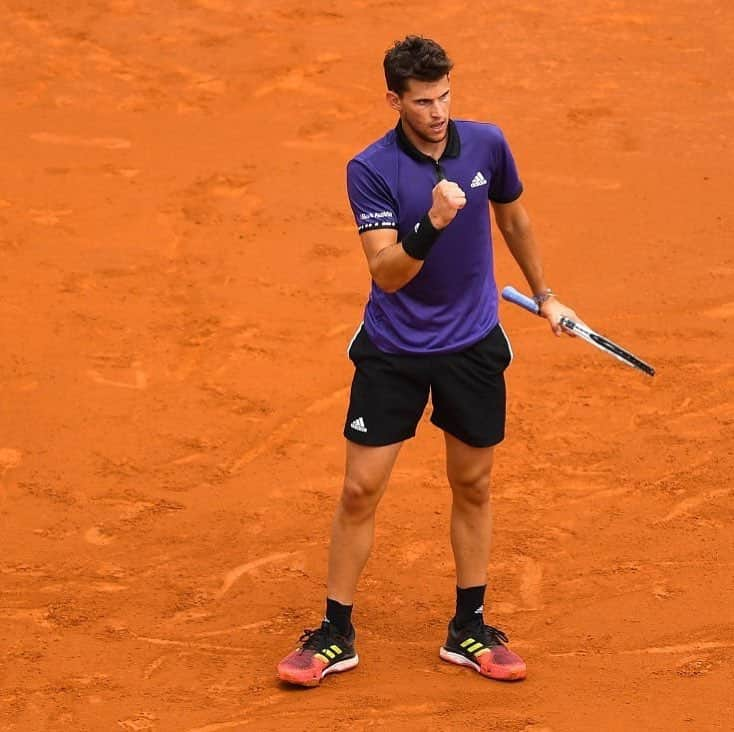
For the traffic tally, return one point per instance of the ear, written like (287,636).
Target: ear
(393,101)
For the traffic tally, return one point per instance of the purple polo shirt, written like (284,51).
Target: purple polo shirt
(452,302)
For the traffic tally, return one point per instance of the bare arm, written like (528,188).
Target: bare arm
(514,223)
(390,265)
(391,268)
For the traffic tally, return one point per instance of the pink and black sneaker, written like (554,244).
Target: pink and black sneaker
(483,648)
(322,651)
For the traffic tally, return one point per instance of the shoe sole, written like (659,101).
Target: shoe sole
(499,673)
(345,665)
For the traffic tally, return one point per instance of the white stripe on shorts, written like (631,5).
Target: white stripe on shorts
(354,337)
(509,345)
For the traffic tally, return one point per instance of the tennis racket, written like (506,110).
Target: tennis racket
(582,331)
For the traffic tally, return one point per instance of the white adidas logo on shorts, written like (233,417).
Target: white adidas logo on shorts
(358,425)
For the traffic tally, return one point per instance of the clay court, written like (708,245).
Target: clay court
(180,278)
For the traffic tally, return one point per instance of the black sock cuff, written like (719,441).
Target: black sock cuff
(340,616)
(468,601)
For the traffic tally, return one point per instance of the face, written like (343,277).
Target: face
(424,108)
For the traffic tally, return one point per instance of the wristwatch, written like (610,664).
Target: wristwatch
(543,297)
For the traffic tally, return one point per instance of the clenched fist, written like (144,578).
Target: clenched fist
(448,198)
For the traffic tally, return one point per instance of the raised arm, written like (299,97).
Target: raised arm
(390,266)
(392,263)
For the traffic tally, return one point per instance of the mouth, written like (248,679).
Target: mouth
(438,126)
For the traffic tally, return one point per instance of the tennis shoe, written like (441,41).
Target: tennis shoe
(322,651)
(483,648)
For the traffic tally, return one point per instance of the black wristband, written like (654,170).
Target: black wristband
(418,243)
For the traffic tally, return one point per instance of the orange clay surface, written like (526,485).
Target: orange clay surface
(180,276)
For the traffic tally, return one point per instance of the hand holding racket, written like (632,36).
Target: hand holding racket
(555,312)
(575,327)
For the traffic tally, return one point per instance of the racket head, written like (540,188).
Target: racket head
(604,344)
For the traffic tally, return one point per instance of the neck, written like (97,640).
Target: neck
(433,149)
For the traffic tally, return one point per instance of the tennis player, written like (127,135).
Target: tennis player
(421,197)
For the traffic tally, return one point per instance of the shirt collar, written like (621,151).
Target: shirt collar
(453,145)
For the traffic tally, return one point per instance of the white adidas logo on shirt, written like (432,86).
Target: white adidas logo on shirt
(358,425)
(478,180)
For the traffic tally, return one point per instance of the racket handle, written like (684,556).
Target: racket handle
(512,295)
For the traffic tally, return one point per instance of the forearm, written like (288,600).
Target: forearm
(392,267)
(514,224)
(524,249)
(394,264)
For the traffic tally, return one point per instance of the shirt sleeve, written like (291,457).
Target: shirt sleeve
(505,186)
(371,201)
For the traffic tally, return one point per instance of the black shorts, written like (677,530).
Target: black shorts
(390,392)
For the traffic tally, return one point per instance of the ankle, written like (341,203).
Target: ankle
(469,605)
(339,615)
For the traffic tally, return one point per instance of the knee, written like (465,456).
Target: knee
(471,490)
(359,498)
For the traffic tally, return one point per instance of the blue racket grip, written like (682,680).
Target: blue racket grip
(512,295)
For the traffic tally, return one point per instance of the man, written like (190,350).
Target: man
(420,198)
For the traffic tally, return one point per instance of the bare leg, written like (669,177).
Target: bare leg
(367,472)
(469,470)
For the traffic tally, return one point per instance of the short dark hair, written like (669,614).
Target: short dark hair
(414,57)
